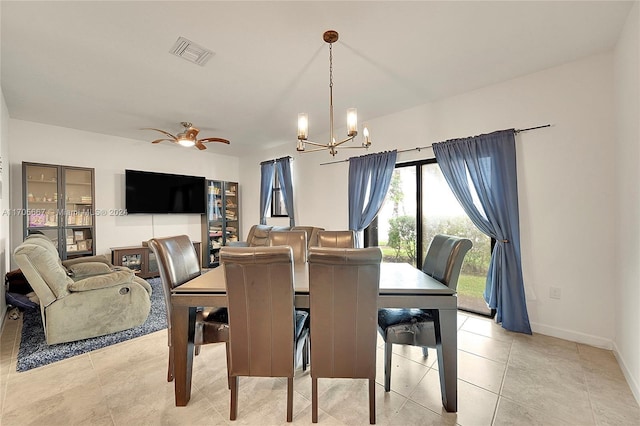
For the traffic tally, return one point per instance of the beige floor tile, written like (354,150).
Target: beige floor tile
(539,346)
(480,371)
(413,414)
(405,373)
(551,385)
(487,347)
(487,327)
(511,413)
(476,406)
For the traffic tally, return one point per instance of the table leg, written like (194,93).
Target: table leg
(447,348)
(183,321)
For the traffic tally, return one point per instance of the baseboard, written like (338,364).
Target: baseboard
(573,336)
(633,384)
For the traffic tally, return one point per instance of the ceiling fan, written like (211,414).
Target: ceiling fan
(188,138)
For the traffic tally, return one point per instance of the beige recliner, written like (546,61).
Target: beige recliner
(84,297)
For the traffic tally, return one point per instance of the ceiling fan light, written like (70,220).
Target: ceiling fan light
(186,142)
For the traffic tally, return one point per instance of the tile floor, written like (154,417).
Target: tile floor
(504,379)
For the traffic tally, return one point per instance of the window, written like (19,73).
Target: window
(419,190)
(278,207)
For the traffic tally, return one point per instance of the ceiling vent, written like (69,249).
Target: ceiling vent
(190,51)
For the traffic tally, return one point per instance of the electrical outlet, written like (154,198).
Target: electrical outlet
(554,292)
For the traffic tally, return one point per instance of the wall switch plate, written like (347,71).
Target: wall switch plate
(554,292)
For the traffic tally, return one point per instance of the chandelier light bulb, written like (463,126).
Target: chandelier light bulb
(352,122)
(303,126)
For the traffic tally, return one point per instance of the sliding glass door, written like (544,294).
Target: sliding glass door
(419,190)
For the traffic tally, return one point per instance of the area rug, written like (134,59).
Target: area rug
(34,351)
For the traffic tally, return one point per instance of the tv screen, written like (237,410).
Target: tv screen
(149,192)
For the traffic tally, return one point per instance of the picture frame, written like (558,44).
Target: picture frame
(82,245)
(72,247)
(78,235)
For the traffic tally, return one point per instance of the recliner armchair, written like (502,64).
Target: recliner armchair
(84,297)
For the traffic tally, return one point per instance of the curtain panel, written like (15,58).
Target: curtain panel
(267,169)
(488,163)
(369,179)
(286,186)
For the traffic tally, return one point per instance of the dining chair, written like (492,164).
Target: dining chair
(343,298)
(264,327)
(178,263)
(417,327)
(342,239)
(296,239)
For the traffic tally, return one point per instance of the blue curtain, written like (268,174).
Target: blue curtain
(489,161)
(369,178)
(266,189)
(286,186)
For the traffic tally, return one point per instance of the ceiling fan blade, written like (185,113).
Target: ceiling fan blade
(214,140)
(160,140)
(200,145)
(161,131)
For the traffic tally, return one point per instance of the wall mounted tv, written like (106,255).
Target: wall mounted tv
(149,192)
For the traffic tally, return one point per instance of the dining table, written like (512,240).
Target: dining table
(401,286)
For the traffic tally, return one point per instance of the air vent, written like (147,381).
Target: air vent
(190,51)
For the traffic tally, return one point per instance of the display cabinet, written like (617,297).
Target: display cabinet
(58,201)
(220,224)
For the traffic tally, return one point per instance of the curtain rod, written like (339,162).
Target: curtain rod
(274,160)
(419,148)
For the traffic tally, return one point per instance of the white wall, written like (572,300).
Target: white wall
(565,177)
(627,109)
(4,203)
(110,156)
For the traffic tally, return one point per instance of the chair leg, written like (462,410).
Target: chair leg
(289,399)
(198,350)
(305,354)
(372,401)
(425,351)
(170,369)
(314,400)
(228,365)
(388,351)
(233,411)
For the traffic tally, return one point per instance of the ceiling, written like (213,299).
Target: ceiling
(105,67)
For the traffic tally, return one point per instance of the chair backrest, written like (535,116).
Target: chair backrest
(444,258)
(296,239)
(261,312)
(341,239)
(312,234)
(177,263)
(343,300)
(38,260)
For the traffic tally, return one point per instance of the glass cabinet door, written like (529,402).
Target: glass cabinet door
(41,196)
(231,211)
(78,189)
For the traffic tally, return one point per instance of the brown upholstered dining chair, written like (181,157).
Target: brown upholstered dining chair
(341,239)
(178,263)
(264,327)
(418,327)
(343,298)
(296,239)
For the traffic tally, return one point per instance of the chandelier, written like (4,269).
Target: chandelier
(331,37)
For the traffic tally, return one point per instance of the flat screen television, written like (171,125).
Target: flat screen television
(149,192)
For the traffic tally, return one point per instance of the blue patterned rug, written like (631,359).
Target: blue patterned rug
(34,351)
